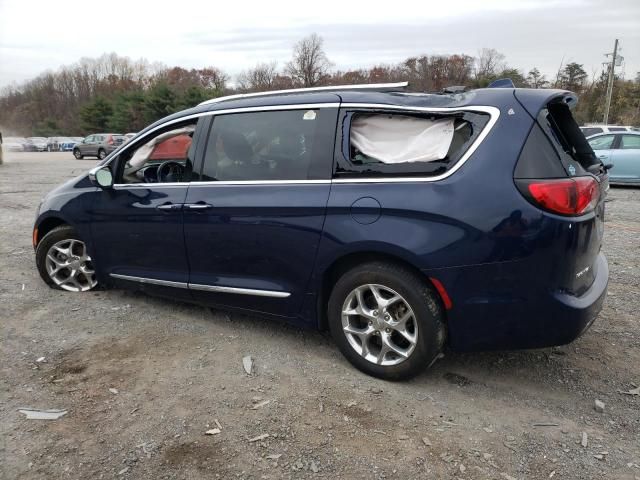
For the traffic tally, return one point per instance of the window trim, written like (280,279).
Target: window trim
(493,112)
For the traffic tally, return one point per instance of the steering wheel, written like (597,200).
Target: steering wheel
(170,171)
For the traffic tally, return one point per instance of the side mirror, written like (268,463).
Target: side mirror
(101,177)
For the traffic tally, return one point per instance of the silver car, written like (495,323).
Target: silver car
(622,151)
(98,145)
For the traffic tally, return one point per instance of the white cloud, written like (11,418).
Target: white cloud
(35,36)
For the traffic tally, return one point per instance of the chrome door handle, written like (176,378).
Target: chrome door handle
(198,206)
(169,206)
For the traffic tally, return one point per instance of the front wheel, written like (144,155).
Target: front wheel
(63,261)
(77,154)
(386,320)
(102,154)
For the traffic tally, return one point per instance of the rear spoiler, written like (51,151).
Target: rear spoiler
(535,99)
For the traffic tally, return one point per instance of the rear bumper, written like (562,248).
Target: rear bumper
(535,321)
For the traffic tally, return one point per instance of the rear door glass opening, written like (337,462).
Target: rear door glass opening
(378,143)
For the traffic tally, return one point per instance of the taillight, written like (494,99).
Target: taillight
(565,196)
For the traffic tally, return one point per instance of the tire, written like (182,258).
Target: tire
(77,154)
(417,297)
(63,246)
(101,153)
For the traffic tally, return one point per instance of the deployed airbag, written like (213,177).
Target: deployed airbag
(401,139)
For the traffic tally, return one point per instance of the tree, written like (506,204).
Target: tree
(573,77)
(159,102)
(95,115)
(489,63)
(259,78)
(309,65)
(535,79)
(128,113)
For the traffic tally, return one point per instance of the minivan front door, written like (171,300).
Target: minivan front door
(254,218)
(137,226)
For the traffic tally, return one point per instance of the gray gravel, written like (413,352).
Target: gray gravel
(143,379)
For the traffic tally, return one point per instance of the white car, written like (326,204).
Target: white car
(14,144)
(39,142)
(593,129)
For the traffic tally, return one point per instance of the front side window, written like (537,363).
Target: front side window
(629,142)
(273,145)
(603,142)
(162,157)
(588,131)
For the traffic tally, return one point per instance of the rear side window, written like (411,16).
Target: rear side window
(603,142)
(376,143)
(629,142)
(275,145)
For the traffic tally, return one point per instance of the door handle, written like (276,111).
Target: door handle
(170,206)
(198,206)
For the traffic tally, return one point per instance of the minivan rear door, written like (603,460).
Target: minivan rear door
(254,217)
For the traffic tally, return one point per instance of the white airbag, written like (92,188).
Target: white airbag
(402,139)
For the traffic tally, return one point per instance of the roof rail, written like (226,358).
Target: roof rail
(378,87)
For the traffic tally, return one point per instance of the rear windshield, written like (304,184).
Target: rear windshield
(405,144)
(567,138)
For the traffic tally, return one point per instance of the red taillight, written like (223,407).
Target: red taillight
(570,196)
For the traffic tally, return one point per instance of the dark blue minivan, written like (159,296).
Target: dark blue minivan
(402,222)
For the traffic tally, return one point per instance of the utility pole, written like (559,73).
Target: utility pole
(612,67)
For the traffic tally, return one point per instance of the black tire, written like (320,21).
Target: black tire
(102,153)
(420,296)
(77,154)
(56,235)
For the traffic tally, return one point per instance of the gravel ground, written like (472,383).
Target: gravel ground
(143,379)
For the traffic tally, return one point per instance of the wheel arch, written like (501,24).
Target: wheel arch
(349,260)
(45,225)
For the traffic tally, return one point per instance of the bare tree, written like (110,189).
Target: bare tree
(489,63)
(259,78)
(309,65)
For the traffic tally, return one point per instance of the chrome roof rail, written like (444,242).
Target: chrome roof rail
(377,87)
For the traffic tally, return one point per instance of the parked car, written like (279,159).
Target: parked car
(592,129)
(473,221)
(67,144)
(622,151)
(129,136)
(40,143)
(99,145)
(14,144)
(54,144)
(1,148)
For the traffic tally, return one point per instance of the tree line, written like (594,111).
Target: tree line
(114,93)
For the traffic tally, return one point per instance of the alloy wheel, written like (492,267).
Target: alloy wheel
(379,324)
(70,267)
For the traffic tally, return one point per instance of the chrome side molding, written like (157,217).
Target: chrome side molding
(206,288)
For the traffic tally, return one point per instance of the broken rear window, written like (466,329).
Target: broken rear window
(405,144)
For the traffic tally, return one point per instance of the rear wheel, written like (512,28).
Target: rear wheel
(77,154)
(63,261)
(102,153)
(386,320)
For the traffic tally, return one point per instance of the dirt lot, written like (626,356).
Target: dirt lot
(175,369)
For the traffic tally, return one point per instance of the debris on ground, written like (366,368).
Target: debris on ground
(259,437)
(261,404)
(213,431)
(247,363)
(36,414)
(215,420)
(114,391)
(274,456)
(41,360)
(123,471)
(314,468)
(426,441)
(545,424)
(633,391)
(599,406)
(585,440)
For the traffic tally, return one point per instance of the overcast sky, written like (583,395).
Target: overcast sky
(39,35)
